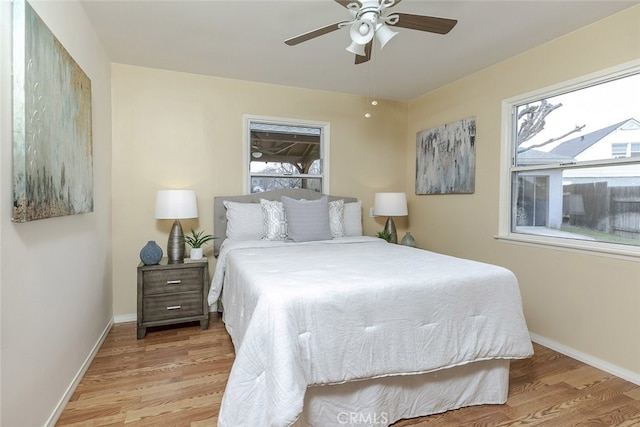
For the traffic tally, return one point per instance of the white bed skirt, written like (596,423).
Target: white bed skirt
(383,401)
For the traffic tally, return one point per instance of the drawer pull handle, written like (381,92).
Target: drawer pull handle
(174,282)
(174,307)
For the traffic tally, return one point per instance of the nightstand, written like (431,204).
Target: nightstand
(172,293)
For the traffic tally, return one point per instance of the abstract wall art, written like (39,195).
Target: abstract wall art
(52,130)
(446,158)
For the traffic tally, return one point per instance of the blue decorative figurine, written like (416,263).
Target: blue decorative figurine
(151,253)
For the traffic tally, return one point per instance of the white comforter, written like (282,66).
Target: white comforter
(347,309)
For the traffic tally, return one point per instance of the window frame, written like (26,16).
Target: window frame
(246,147)
(508,167)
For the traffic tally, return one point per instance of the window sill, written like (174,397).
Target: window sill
(623,252)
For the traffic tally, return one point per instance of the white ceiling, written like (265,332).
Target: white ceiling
(244,39)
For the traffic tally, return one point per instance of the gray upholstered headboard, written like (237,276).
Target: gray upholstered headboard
(220,212)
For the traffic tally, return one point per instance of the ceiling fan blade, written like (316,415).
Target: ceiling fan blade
(425,23)
(346,2)
(367,54)
(313,34)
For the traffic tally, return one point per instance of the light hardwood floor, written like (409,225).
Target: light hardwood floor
(176,377)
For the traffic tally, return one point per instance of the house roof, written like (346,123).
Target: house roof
(575,146)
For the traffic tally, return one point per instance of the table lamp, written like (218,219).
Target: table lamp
(390,204)
(176,205)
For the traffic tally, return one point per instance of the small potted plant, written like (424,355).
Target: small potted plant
(197,241)
(384,234)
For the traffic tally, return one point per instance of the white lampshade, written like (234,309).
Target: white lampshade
(362,31)
(356,48)
(384,34)
(390,204)
(176,204)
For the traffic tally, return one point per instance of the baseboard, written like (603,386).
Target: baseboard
(610,368)
(51,422)
(123,318)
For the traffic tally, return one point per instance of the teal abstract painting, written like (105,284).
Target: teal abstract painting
(52,128)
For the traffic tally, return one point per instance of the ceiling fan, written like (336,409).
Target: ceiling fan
(370,18)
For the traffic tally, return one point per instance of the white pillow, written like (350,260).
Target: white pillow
(244,221)
(336,218)
(353,219)
(274,220)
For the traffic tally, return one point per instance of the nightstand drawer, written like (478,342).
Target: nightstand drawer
(172,280)
(172,306)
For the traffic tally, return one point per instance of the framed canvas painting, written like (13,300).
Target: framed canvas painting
(52,134)
(446,158)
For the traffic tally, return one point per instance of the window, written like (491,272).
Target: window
(284,153)
(625,149)
(619,150)
(533,199)
(572,164)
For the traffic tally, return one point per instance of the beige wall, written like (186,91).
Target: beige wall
(55,274)
(581,303)
(178,130)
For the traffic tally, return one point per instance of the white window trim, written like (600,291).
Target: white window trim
(506,157)
(246,141)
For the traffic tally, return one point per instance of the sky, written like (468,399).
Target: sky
(596,107)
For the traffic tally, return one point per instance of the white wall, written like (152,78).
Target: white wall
(55,274)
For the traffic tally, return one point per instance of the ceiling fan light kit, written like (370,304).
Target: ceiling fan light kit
(384,34)
(361,32)
(356,48)
(369,20)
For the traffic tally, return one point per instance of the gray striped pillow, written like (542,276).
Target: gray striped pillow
(307,220)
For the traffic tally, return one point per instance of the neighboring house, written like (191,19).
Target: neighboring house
(618,140)
(545,197)
(540,192)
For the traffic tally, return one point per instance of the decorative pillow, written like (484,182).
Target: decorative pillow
(274,220)
(336,218)
(353,219)
(244,221)
(307,220)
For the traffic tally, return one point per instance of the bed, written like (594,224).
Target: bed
(350,329)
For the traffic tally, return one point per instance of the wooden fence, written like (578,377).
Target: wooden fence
(614,210)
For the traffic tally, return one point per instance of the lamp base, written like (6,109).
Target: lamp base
(175,245)
(390,227)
